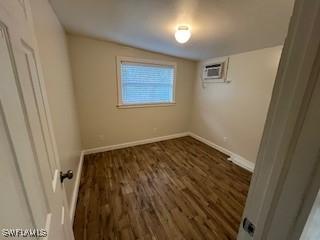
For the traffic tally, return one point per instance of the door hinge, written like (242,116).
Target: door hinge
(248,226)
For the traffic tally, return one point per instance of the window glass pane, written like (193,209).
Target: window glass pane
(145,84)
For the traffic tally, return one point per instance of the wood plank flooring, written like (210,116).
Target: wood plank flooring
(175,189)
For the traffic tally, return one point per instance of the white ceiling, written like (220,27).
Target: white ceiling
(219,27)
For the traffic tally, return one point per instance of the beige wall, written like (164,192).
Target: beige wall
(57,76)
(233,115)
(102,123)
(230,115)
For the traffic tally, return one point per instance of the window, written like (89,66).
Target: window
(145,82)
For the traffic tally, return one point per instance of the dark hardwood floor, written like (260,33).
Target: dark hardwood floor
(175,189)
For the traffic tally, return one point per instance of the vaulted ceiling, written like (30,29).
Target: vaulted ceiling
(219,27)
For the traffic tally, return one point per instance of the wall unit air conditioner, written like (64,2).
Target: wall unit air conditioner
(215,71)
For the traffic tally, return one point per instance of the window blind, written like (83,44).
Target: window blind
(146,83)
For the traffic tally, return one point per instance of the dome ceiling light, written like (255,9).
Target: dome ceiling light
(182,34)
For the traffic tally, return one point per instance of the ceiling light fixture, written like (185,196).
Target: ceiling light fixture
(182,34)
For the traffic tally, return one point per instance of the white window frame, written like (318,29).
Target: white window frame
(146,62)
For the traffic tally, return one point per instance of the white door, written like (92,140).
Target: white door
(31,195)
(287,174)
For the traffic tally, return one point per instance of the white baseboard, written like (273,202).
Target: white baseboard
(242,162)
(134,143)
(76,188)
(211,144)
(235,158)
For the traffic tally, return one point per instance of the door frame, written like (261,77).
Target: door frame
(276,208)
(48,117)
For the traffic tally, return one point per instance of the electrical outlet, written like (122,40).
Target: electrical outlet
(225,139)
(101,137)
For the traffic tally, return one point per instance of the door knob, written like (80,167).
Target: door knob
(68,174)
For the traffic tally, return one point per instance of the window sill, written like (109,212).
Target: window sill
(145,105)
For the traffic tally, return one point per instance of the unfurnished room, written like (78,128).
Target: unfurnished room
(160,119)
